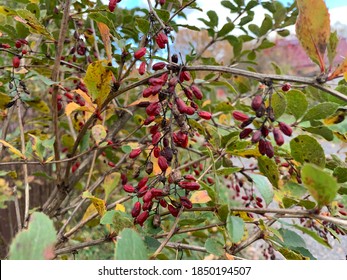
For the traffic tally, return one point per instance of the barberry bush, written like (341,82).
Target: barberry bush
(117,143)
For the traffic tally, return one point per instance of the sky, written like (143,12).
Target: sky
(337,9)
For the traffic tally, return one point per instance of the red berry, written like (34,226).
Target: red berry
(205,115)
(184,76)
(162,2)
(142,191)
(245,133)
(262,146)
(181,105)
(140,219)
(142,68)
(149,120)
(18,44)
(173,210)
(156,138)
(188,93)
(156,151)
(162,162)
(189,111)
(147,205)
(185,202)
(111,164)
(196,91)
(256,136)
(153,109)
(161,40)
(136,209)
(135,153)
(286,129)
(5,46)
(180,139)
(112,5)
(191,186)
(278,136)
(142,182)
(256,102)
(163,203)
(286,87)
(240,116)
(269,150)
(148,196)
(210,180)
(129,188)
(140,53)
(123,178)
(15,61)
(189,177)
(157,192)
(158,66)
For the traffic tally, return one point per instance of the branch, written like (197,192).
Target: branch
(263,77)
(73,248)
(151,10)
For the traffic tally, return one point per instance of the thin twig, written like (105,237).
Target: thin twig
(5,126)
(170,234)
(73,248)
(151,10)
(25,166)
(16,207)
(180,10)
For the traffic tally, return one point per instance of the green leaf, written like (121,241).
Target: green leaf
(269,168)
(36,242)
(304,148)
(130,246)
(126,149)
(291,238)
(235,228)
(314,235)
(279,105)
(290,254)
(321,185)
(227,170)
(107,219)
(320,111)
(264,187)
(323,131)
(341,174)
(191,27)
(212,15)
(266,25)
(226,29)
(214,247)
(110,183)
(332,46)
(254,29)
(164,15)
(296,103)
(142,25)
(117,219)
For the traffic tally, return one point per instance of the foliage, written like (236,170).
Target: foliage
(155,147)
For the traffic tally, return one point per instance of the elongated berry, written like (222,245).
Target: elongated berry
(153,109)
(148,196)
(167,153)
(185,202)
(260,111)
(128,188)
(264,130)
(140,219)
(112,5)
(262,146)
(149,120)
(239,116)
(142,182)
(140,53)
(180,139)
(256,136)
(156,138)
(181,105)
(188,93)
(157,192)
(147,205)
(149,167)
(15,61)
(142,191)
(191,186)
(163,203)
(162,162)
(135,153)
(196,91)
(286,129)
(246,122)
(156,81)
(205,115)
(173,210)
(190,177)
(189,110)
(256,102)
(161,40)
(278,136)
(269,150)
(245,133)
(158,66)
(136,209)
(184,76)
(142,68)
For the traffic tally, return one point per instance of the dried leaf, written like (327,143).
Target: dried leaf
(99,133)
(313,29)
(12,149)
(339,71)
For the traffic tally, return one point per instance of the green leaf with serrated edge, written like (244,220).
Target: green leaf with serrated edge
(214,247)
(107,219)
(296,103)
(226,29)
(164,15)
(36,242)
(227,170)
(341,174)
(235,227)
(304,148)
(130,246)
(264,187)
(269,168)
(321,185)
(314,235)
(323,131)
(117,219)
(110,183)
(142,25)
(320,111)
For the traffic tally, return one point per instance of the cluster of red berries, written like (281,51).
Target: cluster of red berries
(260,135)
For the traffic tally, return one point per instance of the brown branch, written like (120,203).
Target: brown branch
(55,78)
(180,10)
(264,77)
(151,10)
(180,246)
(74,248)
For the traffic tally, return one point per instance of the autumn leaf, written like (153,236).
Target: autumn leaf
(98,203)
(98,81)
(105,36)
(12,149)
(200,197)
(339,71)
(313,29)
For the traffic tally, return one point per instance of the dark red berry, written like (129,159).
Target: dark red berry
(140,219)
(278,136)
(286,129)
(256,136)
(136,209)
(15,61)
(173,210)
(112,5)
(256,102)
(240,116)
(161,40)
(185,202)
(142,68)
(135,153)
(269,149)
(129,188)
(153,109)
(162,162)
(286,87)
(205,115)
(196,91)
(191,186)
(262,146)
(140,53)
(184,76)
(158,66)
(245,133)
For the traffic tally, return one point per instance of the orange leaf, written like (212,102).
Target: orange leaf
(339,71)
(200,197)
(151,99)
(105,36)
(313,29)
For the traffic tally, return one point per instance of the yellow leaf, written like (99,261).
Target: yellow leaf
(313,29)
(105,36)
(337,117)
(6,11)
(91,210)
(99,133)
(120,207)
(98,203)
(205,103)
(39,105)
(229,257)
(151,99)
(342,137)
(12,149)
(200,197)
(341,69)
(72,106)
(4,100)
(86,97)
(246,153)
(98,81)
